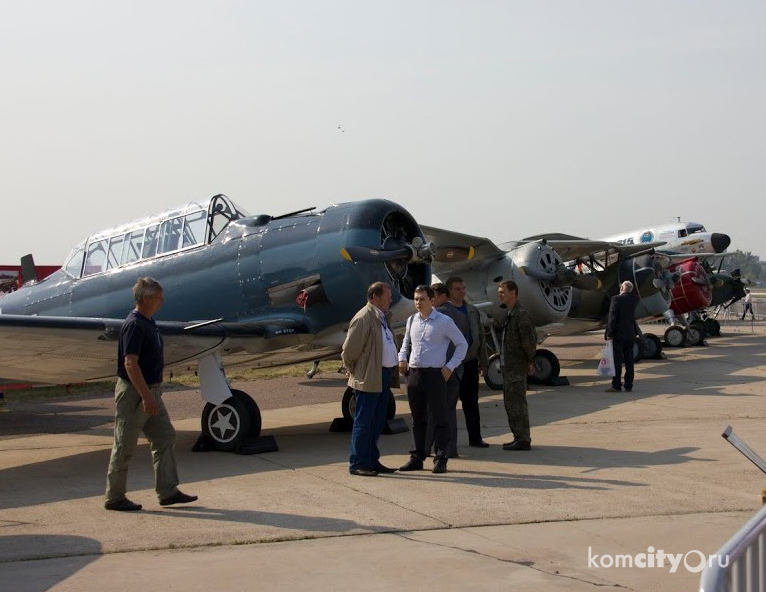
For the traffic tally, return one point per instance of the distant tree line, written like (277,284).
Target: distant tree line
(750,266)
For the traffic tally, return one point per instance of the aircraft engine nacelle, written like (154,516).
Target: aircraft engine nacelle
(645,273)
(693,291)
(546,301)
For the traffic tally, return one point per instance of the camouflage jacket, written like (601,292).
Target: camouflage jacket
(519,343)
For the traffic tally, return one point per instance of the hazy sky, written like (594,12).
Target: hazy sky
(497,118)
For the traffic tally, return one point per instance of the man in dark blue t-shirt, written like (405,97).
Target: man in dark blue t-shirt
(138,404)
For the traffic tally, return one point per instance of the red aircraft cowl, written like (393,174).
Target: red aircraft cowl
(688,294)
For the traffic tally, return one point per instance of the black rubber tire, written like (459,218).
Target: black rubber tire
(547,366)
(652,346)
(252,409)
(715,328)
(234,411)
(348,405)
(638,352)
(699,326)
(675,336)
(694,336)
(493,377)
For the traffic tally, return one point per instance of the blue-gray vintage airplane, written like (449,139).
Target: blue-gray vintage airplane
(262,290)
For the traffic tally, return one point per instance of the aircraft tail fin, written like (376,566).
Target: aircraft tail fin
(28,270)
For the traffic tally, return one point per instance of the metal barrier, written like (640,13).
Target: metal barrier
(744,568)
(745,565)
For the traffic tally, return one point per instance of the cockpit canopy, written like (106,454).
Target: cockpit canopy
(691,228)
(178,229)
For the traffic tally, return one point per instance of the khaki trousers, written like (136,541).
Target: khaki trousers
(129,421)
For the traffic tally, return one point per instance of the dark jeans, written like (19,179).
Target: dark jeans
(748,308)
(469,396)
(623,352)
(427,390)
(369,420)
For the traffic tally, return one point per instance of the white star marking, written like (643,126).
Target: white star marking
(222,423)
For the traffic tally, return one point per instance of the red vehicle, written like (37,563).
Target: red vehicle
(693,291)
(10,276)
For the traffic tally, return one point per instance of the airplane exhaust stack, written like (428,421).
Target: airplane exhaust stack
(720,242)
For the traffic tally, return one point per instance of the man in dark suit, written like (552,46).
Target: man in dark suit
(622,329)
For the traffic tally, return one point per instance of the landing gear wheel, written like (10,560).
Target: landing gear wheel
(494,375)
(252,410)
(546,367)
(229,423)
(348,405)
(651,346)
(694,336)
(713,327)
(638,352)
(675,336)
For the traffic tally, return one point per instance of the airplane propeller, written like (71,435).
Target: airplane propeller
(564,277)
(416,251)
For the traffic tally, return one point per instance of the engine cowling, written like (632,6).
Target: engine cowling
(693,290)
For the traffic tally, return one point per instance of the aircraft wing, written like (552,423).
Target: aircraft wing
(573,248)
(483,247)
(62,350)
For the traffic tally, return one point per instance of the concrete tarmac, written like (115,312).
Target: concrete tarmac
(609,474)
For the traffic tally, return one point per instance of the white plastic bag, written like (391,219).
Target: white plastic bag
(606,364)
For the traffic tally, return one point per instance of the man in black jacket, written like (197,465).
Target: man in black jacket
(622,329)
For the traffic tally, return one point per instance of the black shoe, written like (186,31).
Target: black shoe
(412,465)
(178,498)
(611,389)
(440,466)
(479,444)
(628,389)
(383,469)
(363,472)
(123,505)
(517,445)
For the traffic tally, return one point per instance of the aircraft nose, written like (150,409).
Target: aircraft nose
(719,242)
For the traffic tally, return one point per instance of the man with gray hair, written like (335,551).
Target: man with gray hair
(622,329)
(138,404)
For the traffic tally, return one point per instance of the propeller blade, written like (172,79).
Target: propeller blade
(368,254)
(702,281)
(452,254)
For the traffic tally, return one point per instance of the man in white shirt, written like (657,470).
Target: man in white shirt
(748,304)
(423,359)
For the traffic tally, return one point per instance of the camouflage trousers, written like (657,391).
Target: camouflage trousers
(515,399)
(129,422)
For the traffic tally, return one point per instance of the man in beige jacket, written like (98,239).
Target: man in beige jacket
(370,358)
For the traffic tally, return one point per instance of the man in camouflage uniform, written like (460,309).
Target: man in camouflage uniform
(517,360)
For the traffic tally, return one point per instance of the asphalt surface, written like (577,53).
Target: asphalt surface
(608,474)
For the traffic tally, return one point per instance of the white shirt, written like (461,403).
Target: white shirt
(426,342)
(389,345)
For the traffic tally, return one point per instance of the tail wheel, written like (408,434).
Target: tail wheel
(229,423)
(547,366)
(494,374)
(675,336)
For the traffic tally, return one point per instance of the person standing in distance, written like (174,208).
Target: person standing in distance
(369,356)
(622,329)
(475,362)
(748,305)
(139,406)
(517,357)
(423,358)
